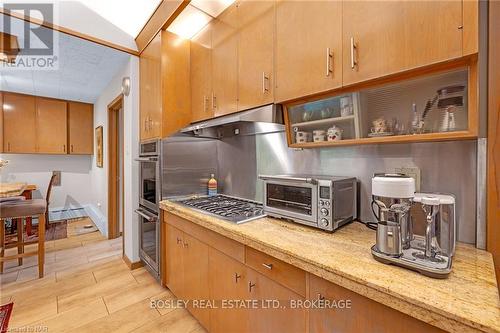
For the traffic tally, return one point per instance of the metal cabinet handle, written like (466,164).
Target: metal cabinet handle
(64,148)
(146,124)
(250,286)
(265,83)
(8,146)
(179,240)
(186,244)
(268,266)
(150,123)
(321,297)
(329,60)
(71,148)
(353,49)
(236,277)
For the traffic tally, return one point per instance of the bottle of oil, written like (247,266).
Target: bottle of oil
(212,186)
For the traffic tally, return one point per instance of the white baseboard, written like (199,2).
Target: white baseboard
(98,218)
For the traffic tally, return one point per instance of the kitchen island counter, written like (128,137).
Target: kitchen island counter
(467,300)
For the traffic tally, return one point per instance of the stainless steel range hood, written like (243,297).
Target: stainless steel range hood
(265,119)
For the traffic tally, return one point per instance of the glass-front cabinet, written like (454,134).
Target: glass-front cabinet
(430,107)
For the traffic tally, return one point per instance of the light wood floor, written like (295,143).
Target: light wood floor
(88,288)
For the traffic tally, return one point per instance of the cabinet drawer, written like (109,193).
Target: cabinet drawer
(279,271)
(223,244)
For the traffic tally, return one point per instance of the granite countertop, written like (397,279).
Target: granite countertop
(467,300)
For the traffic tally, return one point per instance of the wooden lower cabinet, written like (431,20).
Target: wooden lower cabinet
(364,314)
(174,272)
(195,265)
(232,282)
(187,270)
(270,318)
(198,269)
(227,281)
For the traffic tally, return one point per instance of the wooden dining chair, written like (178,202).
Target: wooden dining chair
(47,199)
(21,209)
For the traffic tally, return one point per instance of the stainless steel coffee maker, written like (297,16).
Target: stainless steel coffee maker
(414,230)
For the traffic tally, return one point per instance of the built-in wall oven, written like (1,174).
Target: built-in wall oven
(149,199)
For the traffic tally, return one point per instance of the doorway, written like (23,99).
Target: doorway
(115,171)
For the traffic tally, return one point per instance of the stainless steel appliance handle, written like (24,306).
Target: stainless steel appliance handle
(287,178)
(147,217)
(147,159)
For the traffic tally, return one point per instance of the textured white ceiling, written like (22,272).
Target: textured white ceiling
(85,69)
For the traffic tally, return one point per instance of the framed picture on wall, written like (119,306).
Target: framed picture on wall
(98,146)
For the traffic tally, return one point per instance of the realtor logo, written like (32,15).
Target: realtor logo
(37,43)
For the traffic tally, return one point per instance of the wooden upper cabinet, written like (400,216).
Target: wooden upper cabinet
(19,123)
(308,48)
(51,126)
(150,100)
(81,128)
(175,112)
(201,75)
(255,53)
(385,37)
(225,62)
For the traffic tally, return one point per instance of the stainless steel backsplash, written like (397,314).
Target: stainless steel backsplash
(448,167)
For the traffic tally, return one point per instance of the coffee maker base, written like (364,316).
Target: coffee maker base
(408,259)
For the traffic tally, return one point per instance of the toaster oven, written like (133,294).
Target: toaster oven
(323,202)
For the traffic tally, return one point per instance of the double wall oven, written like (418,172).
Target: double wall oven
(149,200)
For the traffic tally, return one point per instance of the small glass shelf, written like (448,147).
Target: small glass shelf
(426,108)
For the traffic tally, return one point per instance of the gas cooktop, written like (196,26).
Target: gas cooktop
(232,209)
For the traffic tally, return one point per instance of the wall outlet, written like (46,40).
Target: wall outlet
(413,172)
(57,179)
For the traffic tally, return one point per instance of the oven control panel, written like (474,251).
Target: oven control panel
(325,205)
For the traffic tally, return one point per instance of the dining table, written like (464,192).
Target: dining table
(8,190)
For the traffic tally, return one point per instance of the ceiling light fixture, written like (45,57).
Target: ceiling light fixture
(9,47)
(196,16)
(189,22)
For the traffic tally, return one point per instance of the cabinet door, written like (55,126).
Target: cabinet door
(195,277)
(225,63)
(175,112)
(201,75)
(255,53)
(308,48)
(51,126)
(391,36)
(175,260)
(364,315)
(270,319)
(81,128)
(228,281)
(150,89)
(19,123)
